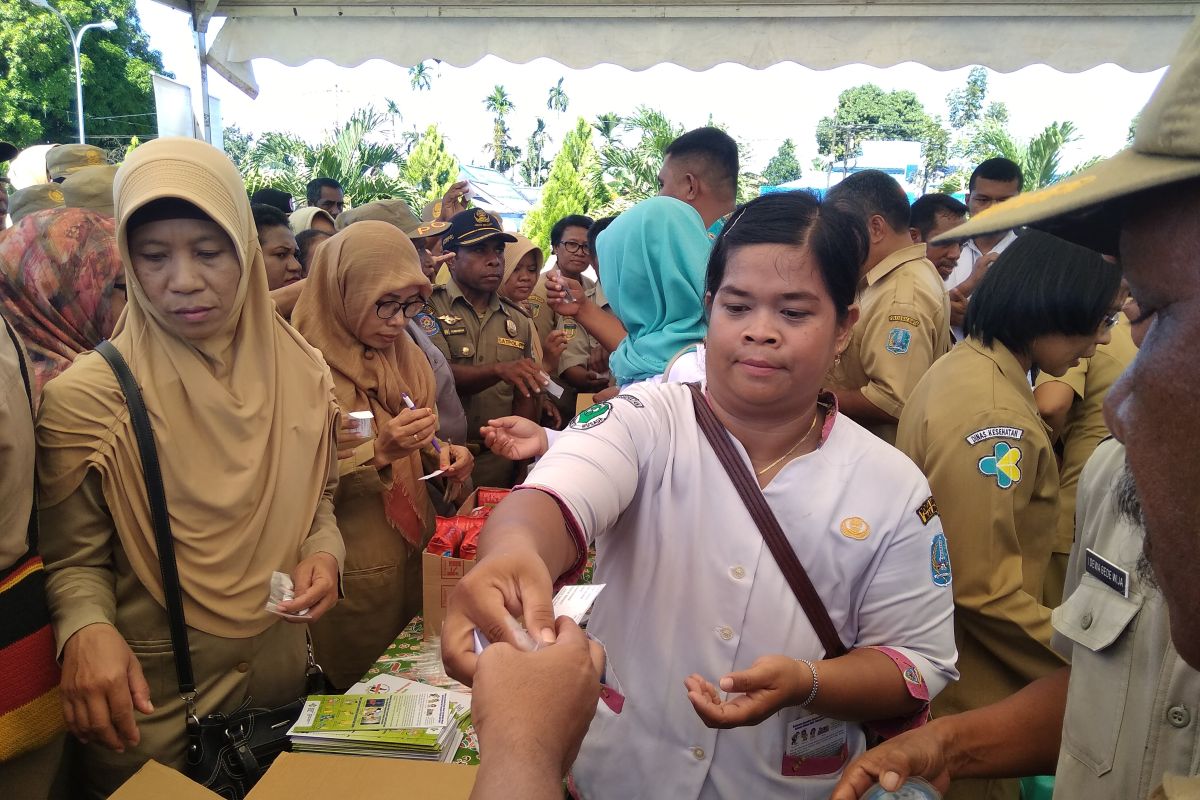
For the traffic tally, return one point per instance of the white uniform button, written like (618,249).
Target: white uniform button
(1179,716)
(725,632)
(698,753)
(738,573)
(1086,621)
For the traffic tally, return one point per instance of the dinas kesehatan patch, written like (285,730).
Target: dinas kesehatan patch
(592,416)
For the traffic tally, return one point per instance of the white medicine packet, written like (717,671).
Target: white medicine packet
(282,590)
(571,601)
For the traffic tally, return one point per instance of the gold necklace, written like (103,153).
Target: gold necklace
(811,428)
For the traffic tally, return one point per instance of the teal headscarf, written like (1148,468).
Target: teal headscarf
(652,264)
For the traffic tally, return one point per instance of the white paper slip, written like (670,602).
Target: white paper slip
(282,590)
(552,388)
(571,601)
(433,474)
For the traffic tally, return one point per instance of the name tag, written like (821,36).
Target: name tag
(510,343)
(1106,572)
(454,331)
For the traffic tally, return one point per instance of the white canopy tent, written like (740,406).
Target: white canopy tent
(1005,35)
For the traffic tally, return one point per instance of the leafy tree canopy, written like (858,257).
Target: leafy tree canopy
(868,112)
(37,74)
(567,190)
(783,166)
(431,169)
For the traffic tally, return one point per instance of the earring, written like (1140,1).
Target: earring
(837,360)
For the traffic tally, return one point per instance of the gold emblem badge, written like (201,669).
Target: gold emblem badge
(55,195)
(449,319)
(855,528)
(481,216)
(93,157)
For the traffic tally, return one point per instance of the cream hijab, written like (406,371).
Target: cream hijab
(350,272)
(243,421)
(301,219)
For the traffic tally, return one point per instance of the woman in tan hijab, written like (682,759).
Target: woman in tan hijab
(366,283)
(311,219)
(243,415)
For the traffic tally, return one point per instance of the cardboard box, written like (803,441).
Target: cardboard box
(305,776)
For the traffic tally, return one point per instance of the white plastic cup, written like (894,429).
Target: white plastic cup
(363,422)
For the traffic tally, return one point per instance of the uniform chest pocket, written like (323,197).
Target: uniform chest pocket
(1102,622)
(506,348)
(461,346)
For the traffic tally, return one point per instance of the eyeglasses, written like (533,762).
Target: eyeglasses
(1110,320)
(576,247)
(386,309)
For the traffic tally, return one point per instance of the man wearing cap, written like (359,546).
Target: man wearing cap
(67,159)
(38,197)
(1125,713)
(91,188)
(488,340)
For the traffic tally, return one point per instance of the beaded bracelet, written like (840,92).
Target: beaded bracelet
(816,683)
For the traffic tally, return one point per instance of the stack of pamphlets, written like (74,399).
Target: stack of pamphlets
(390,717)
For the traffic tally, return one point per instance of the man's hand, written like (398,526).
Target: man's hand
(524,375)
(958,308)
(771,683)
(455,199)
(565,295)
(500,588)
(982,265)
(920,752)
(316,582)
(515,438)
(456,461)
(554,346)
(102,685)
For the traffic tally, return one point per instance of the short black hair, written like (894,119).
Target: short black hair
(598,227)
(1041,285)
(836,237)
(569,221)
(1004,170)
(873,193)
(266,216)
(716,149)
(927,208)
(306,243)
(273,197)
(313,190)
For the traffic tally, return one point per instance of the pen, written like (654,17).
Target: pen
(413,407)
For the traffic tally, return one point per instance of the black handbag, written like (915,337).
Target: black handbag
(227,753)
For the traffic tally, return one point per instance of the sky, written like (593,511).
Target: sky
(318,96)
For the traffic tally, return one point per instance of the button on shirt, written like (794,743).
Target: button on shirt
(903,327)
(693,588)
(1132,701)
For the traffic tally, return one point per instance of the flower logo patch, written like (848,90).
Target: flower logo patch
(1002,464)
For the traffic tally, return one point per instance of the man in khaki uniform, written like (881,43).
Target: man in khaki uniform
(1073,405)
(67,159)
(488,340)
(904,321)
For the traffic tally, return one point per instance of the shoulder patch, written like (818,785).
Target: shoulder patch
(927,510)
(898,341)
(1002,464)
(428,323)
(592,416)
(997,432)
(939,560)
(632,400)
(916,323)
(570,328)
(534,304)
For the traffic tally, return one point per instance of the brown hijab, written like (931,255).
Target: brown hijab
(244,421)
(350,272)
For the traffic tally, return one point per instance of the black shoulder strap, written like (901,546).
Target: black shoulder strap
(163,539)
(768,525)
(32,530)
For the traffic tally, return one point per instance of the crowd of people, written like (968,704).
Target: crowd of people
(844,463)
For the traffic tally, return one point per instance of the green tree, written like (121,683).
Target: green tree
(534,166)
(504,153)
(868,113)
(1040,158)
(353,155)
(629,174)
(966,104)
(237,146)
(431,169)
(607,125)
(783,166)
(557,100)
(567,190)
(419,77)
(935,151)
(37,74)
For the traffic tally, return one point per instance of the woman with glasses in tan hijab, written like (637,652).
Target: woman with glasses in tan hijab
(243,416)
(366,283)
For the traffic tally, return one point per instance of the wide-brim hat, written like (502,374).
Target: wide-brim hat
(394,212)
(1088,208)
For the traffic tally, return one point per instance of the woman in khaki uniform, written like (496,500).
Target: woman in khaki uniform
(366,282)
(243,415)
(973,428)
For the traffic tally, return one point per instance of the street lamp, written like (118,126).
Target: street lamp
(76,40)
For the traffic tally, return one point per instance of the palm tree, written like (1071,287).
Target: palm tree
(1040,158)
(535,166)
(606,125)
(504,153)
(419,78)
(498,102)
(557,101)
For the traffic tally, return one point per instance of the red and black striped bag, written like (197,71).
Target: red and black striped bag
(30,711)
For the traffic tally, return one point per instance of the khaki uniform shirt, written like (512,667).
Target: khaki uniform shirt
(1084,430)
(972,427)
(903,327)
(16,454)
(1133,704)
(579,341)
(502,333)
